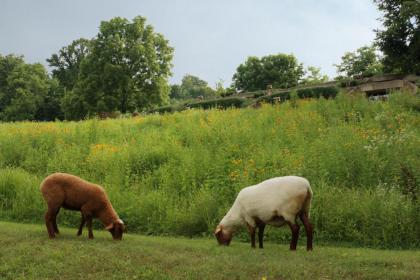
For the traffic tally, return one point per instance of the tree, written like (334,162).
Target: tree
(50,108)
(24,89)
(279,71)
(66,64)
(126,70)
(364,62)
(7,64)
(176,92)
(192,87)
(313,76)
(220,89)
(399,40)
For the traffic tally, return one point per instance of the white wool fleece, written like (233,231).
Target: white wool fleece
(273,202)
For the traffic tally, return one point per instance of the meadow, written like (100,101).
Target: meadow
(27,254)
(177,174)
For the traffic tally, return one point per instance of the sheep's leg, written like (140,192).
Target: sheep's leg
(82,223)
(309,230)
(89,225)
(48,222)
(251,231)
(55,222)
(261,234)
(87,216)
(295,235)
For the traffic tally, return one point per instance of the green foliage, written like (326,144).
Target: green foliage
(221,91)
(50,107)
(283,96)
(279,71)
(399,39)
(126,70)
(26,91)
(168,109)
(226,91)
(66,64)
(180,173)
(176,92)
(364,62)
(317,92)
(192,87)
(74,106)
(312,92)
(294,98)
(223,103)
(406,100)
(16,192)
(313,76)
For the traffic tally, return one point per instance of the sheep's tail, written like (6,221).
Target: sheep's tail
(307,204)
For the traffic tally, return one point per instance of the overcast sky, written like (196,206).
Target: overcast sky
(211,38)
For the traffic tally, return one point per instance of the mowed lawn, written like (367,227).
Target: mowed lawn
(27,253)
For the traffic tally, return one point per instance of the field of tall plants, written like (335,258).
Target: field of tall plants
(177,174)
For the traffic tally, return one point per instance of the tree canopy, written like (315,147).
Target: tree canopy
(66,64)
(364,62)
(26,91)
(126,69)
(399,39)
(279,71)
(313,76)
(192,87)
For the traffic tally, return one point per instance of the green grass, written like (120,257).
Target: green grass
(27,253)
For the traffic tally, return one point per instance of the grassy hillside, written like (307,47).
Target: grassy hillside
(26,253)
(178,174)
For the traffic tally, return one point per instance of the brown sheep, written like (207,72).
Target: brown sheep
(73,193)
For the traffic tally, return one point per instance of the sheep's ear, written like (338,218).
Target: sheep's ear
(218,229)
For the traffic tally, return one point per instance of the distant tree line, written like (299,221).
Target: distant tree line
(27,92)
(126,67)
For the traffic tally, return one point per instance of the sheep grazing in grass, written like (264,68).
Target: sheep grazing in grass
(73,193)
(276,202)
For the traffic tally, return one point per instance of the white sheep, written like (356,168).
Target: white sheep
(275,202)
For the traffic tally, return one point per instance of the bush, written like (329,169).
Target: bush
(348,82)
(166,109)
(317,92)
(406,100)
(222,103)
(283,96)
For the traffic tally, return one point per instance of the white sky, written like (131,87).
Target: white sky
(211,38)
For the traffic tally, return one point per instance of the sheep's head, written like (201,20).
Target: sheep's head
(223,236)
(117,229)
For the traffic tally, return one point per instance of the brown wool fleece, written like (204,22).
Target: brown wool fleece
(71,192)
